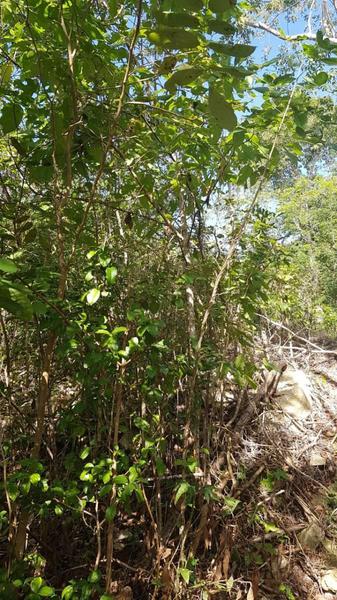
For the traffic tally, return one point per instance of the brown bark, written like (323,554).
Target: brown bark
(118,395)
(7,348)
(42,401)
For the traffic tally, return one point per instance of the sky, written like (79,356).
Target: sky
(272,44)
(267,47)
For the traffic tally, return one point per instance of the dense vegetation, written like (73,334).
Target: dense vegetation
(141,146)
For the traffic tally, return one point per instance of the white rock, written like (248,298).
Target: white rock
(312,536)
(317,460)
(329,581)
(293,394)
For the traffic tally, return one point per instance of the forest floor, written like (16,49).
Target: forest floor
(291,491)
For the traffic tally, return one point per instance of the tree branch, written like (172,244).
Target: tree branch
(288,38)
(241,230)
(112,128)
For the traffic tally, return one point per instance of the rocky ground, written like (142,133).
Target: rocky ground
(291,444)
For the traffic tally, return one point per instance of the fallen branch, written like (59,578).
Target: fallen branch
(271,534)
(303,349)
(250,481)
(299,337)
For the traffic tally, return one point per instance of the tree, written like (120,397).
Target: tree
(122,121)
(308,215)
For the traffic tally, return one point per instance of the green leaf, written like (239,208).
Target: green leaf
(111,512)
(186,574)
(111,274)
(85,452)
(321,78)
(192,5)
(35,478)
(89,465)
(15,301)
(133,474)
(192,464)
(35,584)
(94,577)
(166,65)
(219,6)
(175,19)
(160,466)
(221,27)
(183,76)
(86,476)
(300,118)
(182,490)
(221,111)
(24,307)
(329,61)
(322,41)
(142,424)
(230,584)
(271,527)
(230,504)
(13,491)
(112,7)
(11,117)
(237,72)
(106,477)
(104,260)
(8,266)
(237,50)
(287,591)
(173,38)
(67,592)
(41,173)
(93,296)
(46,591)
(6,72)
(105,489)
(120,480)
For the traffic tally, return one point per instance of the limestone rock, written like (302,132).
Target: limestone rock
(317,459)
(311,537)
(293,394)
(329,581)
(330,547)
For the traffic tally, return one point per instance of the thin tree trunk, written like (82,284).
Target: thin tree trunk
(118,395)
(7,348)
(42,401)
(189,437)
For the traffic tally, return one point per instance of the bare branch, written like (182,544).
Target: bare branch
(108,145)
(287,38)
(232,248)
(299,337)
